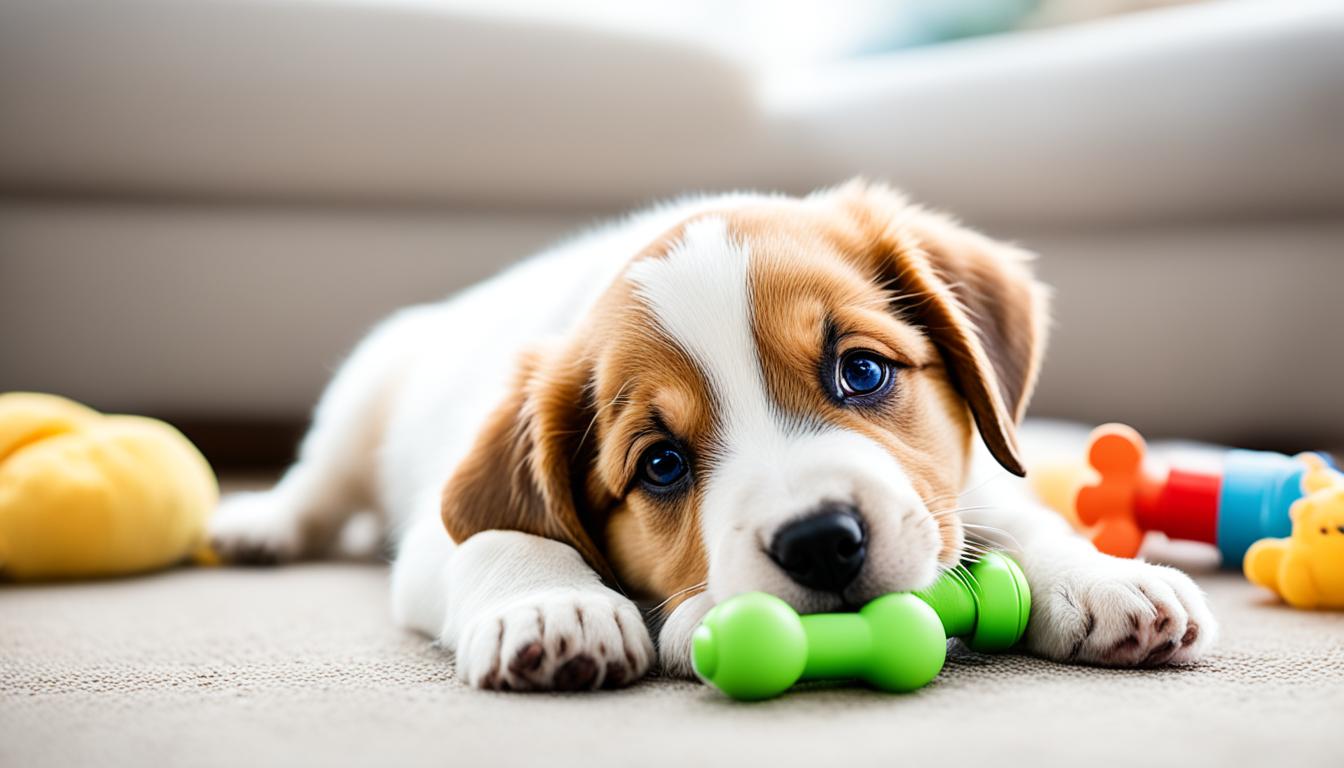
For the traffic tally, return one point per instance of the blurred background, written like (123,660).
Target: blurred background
(205,203)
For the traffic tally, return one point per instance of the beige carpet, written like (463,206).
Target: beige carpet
(301,666)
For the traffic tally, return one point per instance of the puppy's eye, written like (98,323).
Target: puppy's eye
(862,373)
(663,465)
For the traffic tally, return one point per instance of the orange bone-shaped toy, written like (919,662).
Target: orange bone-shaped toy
(1127,496)
(1116,453)
(1131,497)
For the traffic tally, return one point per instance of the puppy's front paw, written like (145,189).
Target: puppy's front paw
(566,640)
(1098,609)
(253,528)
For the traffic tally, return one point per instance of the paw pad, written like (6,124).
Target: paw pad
(577,674)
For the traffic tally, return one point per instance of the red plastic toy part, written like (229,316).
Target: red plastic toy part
(1131,497)
(1185,508)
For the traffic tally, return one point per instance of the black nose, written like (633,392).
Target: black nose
(824,551)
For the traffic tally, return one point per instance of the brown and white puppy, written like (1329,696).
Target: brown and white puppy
(723,395)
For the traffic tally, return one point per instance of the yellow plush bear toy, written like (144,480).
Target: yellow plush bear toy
(1307,568)
(83,494)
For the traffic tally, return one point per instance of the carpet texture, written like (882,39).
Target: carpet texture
(301,666)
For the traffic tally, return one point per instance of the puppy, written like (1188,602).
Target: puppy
(720,395)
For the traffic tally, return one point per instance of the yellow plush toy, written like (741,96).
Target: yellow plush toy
(1307,568)
(83,494)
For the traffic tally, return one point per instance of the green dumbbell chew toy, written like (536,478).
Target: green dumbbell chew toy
(755,646)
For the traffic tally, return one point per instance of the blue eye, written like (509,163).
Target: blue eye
(862,373)
(664,465)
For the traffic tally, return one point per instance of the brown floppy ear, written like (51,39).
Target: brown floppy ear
(975,297)
(525,472)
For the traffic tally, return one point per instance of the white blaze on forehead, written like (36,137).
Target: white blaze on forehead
(700,294)
(772,469)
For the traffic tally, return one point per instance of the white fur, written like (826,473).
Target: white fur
(407,405)
(770,470)
(500,591)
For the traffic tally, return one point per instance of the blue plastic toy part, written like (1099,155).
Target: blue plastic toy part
(1257,491)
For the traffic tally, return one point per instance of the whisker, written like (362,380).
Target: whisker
(598,412)
(996,533)
(974,550)
(993,476)
(955,510)
(934,501)
(971,581)
(701,586)
(940,498)
(960,575)
(995,546)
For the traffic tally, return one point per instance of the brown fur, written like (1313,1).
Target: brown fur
(974,297)
(654,543)
(520,473)
(803,282)
(956,310)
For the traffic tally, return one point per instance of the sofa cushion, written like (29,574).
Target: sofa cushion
(1179,330)
(1222,109)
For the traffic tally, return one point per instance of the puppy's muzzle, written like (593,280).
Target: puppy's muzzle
(823,551)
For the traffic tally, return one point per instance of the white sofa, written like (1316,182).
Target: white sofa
(203,204)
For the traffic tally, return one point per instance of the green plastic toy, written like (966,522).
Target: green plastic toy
(755,646)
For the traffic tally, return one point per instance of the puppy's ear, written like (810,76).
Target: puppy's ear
(975,297)
(525,472)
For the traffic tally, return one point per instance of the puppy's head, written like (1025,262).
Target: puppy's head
(776,396)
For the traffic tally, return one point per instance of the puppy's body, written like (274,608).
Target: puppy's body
(713,329)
